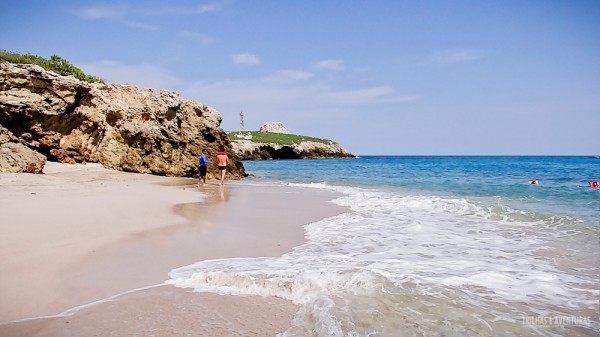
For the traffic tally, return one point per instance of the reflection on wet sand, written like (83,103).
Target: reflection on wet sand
(213,195)
(179,182)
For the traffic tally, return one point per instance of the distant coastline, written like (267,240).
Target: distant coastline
(260,145)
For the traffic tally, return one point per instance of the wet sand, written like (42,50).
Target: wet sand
(103,242)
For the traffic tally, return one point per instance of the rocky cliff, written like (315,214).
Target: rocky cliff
(250,150)
(120,126)
(274,141)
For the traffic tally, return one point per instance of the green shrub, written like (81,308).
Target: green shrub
(55,63)
(276,138)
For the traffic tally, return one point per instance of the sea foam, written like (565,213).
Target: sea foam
(392,249)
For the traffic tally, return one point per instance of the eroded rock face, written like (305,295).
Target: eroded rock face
(16,157)
(248,150)
(120,126)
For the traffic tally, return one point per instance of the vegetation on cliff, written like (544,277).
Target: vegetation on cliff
(55,63)
(274,138)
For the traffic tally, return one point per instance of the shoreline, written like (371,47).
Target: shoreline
(91,233)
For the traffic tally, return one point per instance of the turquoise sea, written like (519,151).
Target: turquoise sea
(432,246)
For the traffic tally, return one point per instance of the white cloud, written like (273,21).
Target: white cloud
(330,64)
(144,75)
(125,15)
(290,96)
(112,13)
(102,12)
(289,75)
(245,59)
(185,10)
(359,96)
(210,7)
(457,56)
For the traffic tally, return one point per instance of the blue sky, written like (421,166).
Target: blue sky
(380,77)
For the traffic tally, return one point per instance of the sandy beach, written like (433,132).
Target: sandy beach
(85,251)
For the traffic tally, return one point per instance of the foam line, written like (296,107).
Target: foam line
(74,310)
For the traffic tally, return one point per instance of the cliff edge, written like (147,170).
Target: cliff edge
(275,144)
(46,115)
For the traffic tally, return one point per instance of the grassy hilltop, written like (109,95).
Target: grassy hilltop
(55,63)
(275,138)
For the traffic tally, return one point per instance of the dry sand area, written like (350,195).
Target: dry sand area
(85,251)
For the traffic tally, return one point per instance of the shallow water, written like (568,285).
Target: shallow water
(432,246)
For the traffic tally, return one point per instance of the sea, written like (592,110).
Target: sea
(432,246)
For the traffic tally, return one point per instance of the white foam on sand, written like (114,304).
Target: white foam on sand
(443,251)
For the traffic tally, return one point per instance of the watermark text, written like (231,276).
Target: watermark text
(556,321)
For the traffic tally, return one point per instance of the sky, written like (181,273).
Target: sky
(396,77)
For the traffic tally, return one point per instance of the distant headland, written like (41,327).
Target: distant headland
(273,141)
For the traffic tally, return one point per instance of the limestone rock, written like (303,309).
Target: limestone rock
(16,157)
(248,150)
(276,127)
(120,126)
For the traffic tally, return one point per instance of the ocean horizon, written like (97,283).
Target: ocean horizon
(432,245)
